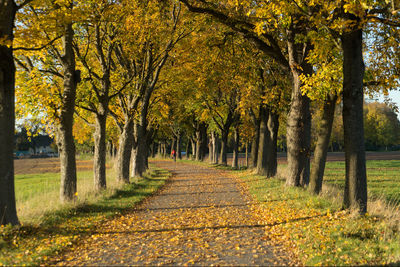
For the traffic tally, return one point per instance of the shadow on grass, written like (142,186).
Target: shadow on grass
(62,222)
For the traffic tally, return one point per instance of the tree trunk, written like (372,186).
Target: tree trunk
(66,144)
(216,149)
(321,148)
(224,147)
(140,153)
(355,193)
(299,117)
(203,144)
(298,138)
(194,149)
(159,149)
(272,148)
(124,152)
(8,212)
(255,144)
(173,145)
(247,154)
(187,148)
(201,141)
(164,150)
(198,146)
(210,149)
(235,160)
(99,161)
(264,138)
(179,146)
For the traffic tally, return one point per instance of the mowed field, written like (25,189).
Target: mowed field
(37,181)
(52,165)
(37,185)
(383,173)
(45,165)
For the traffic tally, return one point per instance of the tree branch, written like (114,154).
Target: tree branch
(37,48)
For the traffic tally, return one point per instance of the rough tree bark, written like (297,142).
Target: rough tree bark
(124,152)
(179,146)
(355,193)
(194,148)
(224,147)
(139,152)
(99,161)
(264,138)
(247,154)
(235,160)
(8,212)
(321,148)
(211,147)
(65,139)
(201,141)
(187,148)
(299,117)
(216,149)
(255,144)
(273,127)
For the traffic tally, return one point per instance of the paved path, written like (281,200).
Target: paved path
(199,217)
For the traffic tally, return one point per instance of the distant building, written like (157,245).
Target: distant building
(41,144)
(38,145)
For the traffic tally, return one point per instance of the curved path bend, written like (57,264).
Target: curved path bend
(200,217)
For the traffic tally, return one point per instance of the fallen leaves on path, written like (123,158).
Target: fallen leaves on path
(200,218)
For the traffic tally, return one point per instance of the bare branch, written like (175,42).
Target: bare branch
(38,48)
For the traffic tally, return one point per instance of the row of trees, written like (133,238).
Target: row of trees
(319,45)
(90,59)
(160,71)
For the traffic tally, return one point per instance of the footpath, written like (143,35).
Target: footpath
(200,217)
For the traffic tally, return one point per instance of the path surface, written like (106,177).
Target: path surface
(199,217)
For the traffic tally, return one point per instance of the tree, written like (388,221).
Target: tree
(381,126)
(323,87)
(247,19)
(8,9)
(95,52)
(53,77)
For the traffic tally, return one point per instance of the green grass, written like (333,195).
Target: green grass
(323,234)
(32,190)
(315,229)
(54,226)
(383,177)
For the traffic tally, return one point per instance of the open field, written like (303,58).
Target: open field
(332,156)
(37,185)
(383,178)
(44,165)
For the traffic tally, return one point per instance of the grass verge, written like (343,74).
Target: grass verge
(317,230)
(33,243)
(314,229)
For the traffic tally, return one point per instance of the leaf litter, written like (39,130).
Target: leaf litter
(201,217)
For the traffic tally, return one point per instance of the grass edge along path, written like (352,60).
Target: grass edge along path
(315,229)
(34,244)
